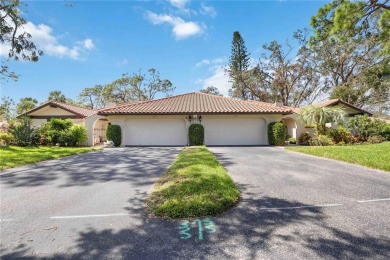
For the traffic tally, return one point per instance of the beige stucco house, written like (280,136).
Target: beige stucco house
(295,126)
(95,124)
(165,121)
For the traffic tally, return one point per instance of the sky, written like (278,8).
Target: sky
(188,42)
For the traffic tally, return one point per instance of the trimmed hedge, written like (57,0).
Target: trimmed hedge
(279,133)
(114,134)
(271,138)
(276,133)
(196,134)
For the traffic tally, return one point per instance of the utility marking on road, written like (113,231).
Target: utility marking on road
(303,207)
(375,200)
(6,220)
(207,223)
(91,216)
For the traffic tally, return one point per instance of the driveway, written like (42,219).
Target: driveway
(293,206)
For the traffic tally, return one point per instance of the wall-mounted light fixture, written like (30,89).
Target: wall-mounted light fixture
(200,119)
(189,118)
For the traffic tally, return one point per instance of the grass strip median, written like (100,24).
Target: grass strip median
(195,185)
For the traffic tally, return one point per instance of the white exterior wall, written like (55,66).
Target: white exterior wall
(37,122)
(301,127)
(124,120)
(89,125)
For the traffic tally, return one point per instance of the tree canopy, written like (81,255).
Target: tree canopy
(57,95)
(211,90)
(26,104)
(12,36)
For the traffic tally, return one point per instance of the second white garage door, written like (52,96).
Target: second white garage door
(150,132)
(235,132)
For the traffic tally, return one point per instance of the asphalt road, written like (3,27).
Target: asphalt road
(293,206)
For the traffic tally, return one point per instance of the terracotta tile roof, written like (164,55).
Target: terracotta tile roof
(327,103)
(338,101)
(77,110)
(192,103)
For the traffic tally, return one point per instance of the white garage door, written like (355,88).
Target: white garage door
(235,132)
(150,132)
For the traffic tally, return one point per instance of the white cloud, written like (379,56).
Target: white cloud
(207,10)
(202,62)
(181,5)
(180,28)
(42,36)
(218,79)
(210,62)
(88,44)
(122,62)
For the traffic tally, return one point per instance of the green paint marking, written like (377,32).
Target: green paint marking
(185,228)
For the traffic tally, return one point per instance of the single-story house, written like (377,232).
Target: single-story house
(95,124)
(295,126)
(165,121)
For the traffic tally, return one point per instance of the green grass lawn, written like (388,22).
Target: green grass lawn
(12,156)
(195,185)
(371,155)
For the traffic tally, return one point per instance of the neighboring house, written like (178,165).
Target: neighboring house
(165,121)
(295,126)
(95,124)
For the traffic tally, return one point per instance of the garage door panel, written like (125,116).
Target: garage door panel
(155,132)
(235,132)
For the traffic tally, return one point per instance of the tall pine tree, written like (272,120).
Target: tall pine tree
(238,68)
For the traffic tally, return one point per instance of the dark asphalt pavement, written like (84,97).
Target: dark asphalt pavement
(293,206)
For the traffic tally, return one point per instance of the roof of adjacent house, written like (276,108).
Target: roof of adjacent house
(338,101)
(77,110)
(195,103)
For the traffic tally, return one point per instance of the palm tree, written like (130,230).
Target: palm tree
(319,116)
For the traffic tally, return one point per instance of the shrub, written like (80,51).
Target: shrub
(386,132)
(304,139)
(321,140)
(196,134)
(279,133)
(66,138)
(292,140)
(364,126)
(271,138)
(276,133)
(36,137)
(79,133)
(21,132)
(375,139)
(341,134)
(59,124)
(5,138)
(53,136)
(114,134)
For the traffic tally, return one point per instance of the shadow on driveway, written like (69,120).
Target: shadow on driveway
(246,232)
(118,164)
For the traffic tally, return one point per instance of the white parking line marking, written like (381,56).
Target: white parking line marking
(363,201)
(303,207)
(91,216)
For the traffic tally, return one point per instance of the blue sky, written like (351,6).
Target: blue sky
(189,42)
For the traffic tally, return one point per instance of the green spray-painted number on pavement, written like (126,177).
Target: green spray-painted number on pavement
(184,228)
(202,225)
